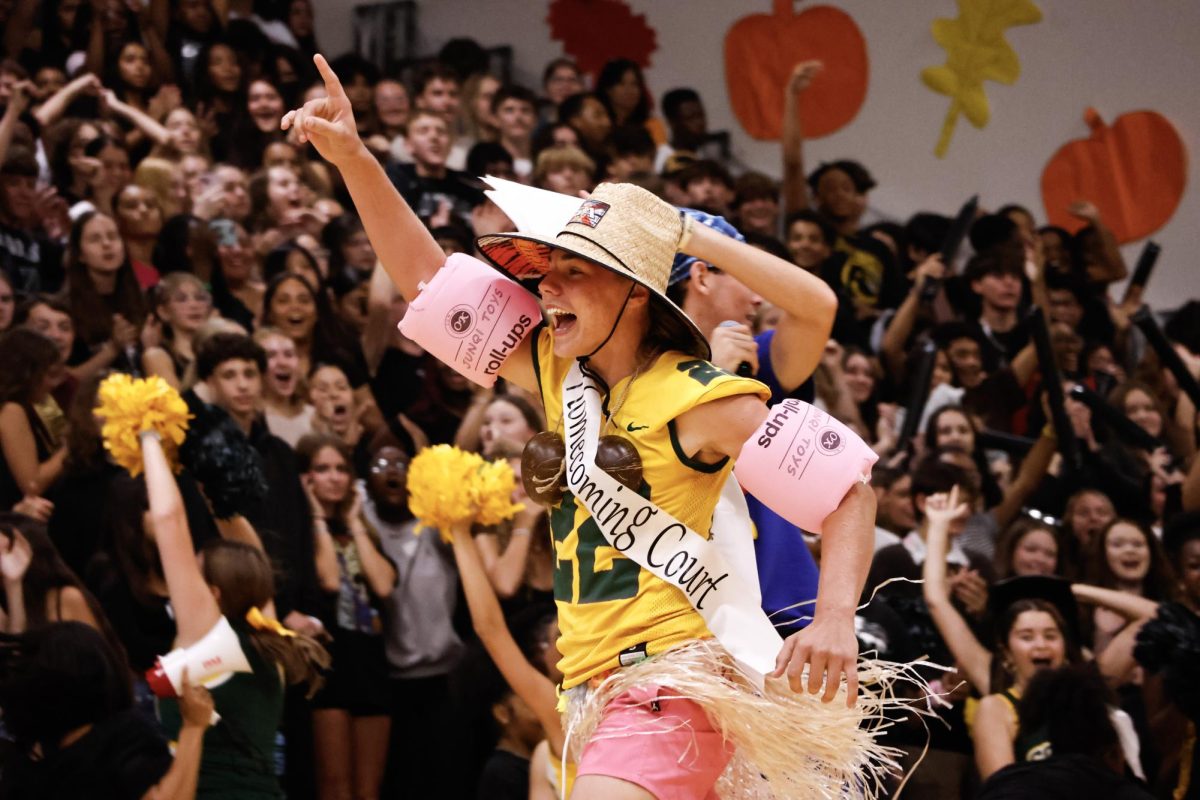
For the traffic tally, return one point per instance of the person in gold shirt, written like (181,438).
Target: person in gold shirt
(651,430)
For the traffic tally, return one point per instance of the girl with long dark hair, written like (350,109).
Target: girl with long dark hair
(350,717)
(103,292)
(30,462)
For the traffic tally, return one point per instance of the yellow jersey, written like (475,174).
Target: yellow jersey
(611,612)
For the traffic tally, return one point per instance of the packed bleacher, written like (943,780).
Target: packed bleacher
(1038,488)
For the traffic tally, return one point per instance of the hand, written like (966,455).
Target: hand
(1085,211)
(487,218)
(87,83)
(831,357)
(124,332)
(733,344)
(1080,416)
(206,119)
(23,95)
(309,626)
(886,430)
(53,211)
(970,589)
(354,512)
(314,505)
(195,704)
(931,268)
(829,650)
(38,508)
(803,74)
(1160,464)
(152,332)
(109,99)
(443,216)
(165,100)
(15,557)
(943,508)
(328,122)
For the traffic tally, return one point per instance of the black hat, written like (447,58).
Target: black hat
(1053,590)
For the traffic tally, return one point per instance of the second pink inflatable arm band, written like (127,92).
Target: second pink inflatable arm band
(801,462)
(471,317)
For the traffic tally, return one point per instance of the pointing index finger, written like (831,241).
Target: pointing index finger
(332,85)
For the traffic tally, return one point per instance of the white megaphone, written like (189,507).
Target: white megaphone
(211,661)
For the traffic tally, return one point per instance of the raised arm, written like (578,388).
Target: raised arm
(1112,266)
(895,337)
(405,247)
(58,102)
(407,250)
(795,188)
(377,569)
(973,658)
(523,678)
(1032,470)
(807,303)
(506,570)
(147,124)
(195,607)
(18,101)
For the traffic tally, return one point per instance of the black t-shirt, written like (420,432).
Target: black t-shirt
(1065,777)
(424,195)
(120,758)
(999,349)
(32,263)
(505,777)
(863,267)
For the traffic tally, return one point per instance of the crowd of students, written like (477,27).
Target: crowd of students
(156,220)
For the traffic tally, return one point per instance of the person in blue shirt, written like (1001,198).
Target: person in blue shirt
(783,358)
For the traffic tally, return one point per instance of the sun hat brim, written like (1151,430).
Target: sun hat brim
(526,259)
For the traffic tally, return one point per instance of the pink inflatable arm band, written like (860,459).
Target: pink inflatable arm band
(471,318)
(801,462)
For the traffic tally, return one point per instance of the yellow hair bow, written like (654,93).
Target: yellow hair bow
(261,622)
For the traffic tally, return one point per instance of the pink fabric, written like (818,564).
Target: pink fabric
(665,745)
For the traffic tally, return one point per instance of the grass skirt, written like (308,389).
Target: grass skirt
(787,744)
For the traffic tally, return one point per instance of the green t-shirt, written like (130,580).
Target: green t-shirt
(238,762)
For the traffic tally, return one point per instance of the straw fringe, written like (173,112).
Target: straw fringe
(787,744)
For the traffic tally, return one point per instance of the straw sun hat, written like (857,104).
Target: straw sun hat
(624,229)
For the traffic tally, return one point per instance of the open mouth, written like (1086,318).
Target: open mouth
(1043,663)
(561,321)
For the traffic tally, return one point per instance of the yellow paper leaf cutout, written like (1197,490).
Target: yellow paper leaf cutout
(976,51)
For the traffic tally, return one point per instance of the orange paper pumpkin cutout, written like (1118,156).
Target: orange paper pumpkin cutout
(1133,171)
(762,49)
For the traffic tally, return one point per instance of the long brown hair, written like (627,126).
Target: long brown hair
(1159,582)
(243,578)
(92,316)
(1001,677)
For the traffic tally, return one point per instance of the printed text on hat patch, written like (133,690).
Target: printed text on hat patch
(590,213)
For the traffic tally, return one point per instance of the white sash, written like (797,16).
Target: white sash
(718,575)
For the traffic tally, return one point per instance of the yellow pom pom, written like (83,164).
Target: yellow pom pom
(439,487)
(493,489)
(130,406)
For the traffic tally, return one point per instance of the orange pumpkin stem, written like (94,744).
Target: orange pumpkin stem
(1094,122)
(784,8)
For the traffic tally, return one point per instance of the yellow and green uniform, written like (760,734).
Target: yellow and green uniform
(607,603)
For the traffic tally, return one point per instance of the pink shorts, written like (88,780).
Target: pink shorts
(663,744)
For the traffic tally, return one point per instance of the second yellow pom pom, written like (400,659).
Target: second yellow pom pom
(449,487)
